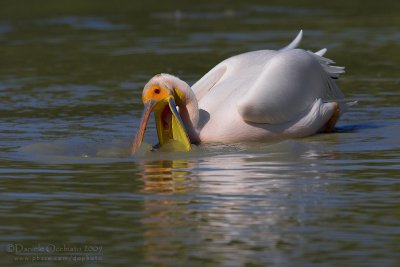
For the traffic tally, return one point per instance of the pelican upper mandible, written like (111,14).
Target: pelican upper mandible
(263,95)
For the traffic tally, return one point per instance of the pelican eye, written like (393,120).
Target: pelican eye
(157,91)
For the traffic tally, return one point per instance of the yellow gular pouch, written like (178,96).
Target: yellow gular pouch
(170,128)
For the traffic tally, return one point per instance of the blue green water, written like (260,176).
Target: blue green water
(71,75)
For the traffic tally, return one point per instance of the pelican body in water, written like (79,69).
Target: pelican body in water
(263,95)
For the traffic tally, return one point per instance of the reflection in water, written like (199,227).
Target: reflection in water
(165,219)
(237,202)
(166,176)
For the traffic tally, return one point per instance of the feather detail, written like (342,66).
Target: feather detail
(321,52)
(295,43)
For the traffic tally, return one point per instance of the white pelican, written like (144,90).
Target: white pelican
(256,96)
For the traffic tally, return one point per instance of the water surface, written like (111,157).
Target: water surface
(71,76)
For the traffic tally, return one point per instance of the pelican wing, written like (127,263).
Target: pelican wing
(251,61)
(288,85)
(269,86)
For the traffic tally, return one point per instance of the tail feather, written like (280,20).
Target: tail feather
(321,52)
(294,43)
(332,71)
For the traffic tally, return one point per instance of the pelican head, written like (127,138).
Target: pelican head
(163,94)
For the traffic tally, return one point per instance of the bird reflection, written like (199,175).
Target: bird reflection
(166,176)
(232,201)
(166,214)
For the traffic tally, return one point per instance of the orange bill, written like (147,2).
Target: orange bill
(137,141)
